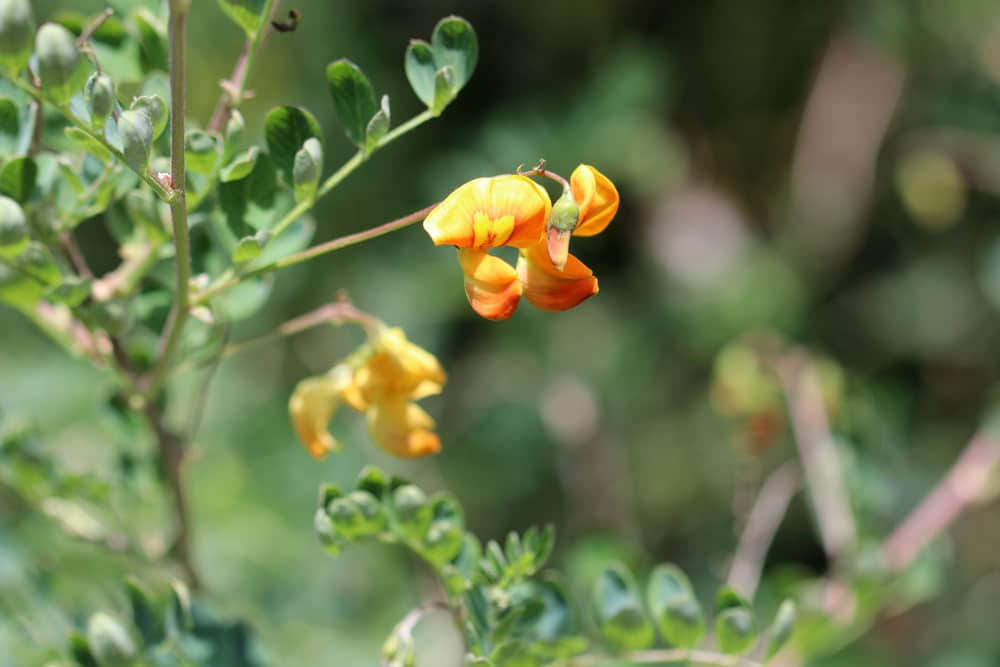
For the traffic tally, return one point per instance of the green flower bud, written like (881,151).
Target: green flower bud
(109,641)
(413,512)
(155,109)
(306,169)
(61,67)
(136,132)
(13,228)
(99,94)
(559,228)
(17,27)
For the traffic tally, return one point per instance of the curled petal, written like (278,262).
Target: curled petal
(403,429)
(311,407)
(597,197)
(491,284)
(490,212)
(395,368)
(550,289)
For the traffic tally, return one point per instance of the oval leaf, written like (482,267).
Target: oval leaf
(781,628)
(286,130)
(353,99)
(619,613)
(420,69)
(455,45)
(734,630)
(247,14)
(17,178)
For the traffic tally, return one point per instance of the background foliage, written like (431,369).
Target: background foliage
(825,171)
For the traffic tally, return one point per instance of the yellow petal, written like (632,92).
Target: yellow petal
(550,289)
(395,367)
(597,197)
(311,407)
(403,429)
(490,212)
(491,284)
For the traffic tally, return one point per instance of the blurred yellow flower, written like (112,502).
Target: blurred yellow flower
(512,211)
(382,378)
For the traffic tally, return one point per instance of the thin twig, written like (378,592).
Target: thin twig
(72,252)
(768,511)
(818,451)
(960,488)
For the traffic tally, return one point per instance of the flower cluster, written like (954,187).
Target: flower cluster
(382,379)
(515,211)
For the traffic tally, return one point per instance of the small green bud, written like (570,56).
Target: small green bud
(307,168)
(559,228)
(370,510)
(17,27)
(156,109)
(99,94)
(13,228)
(109,641)
(61,67)
(136,132)
(413,512)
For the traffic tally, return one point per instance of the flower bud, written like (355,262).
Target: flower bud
(109,641)
(17,27)
(13,228)
(412,510)
(136,132)
(99,94)
(306,169)
(562,221)
(61,67)
(155,109)
(356,515)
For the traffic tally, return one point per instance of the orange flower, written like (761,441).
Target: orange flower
(513,210)
(381,379)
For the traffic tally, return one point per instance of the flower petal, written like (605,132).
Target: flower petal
(597,197)
(311,407)
(550,289)
(491,284)
(490,212)
(402,429)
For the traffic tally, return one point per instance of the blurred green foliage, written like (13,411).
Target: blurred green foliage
(823,171)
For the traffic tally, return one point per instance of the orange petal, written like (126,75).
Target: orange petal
(490,212)
(311,407)
(550,289)
(402,429)
(491,284)
(597,197)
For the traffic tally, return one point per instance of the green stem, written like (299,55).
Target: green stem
(161,191)
(229,278)
(178,204)
(232,98)
(229,281)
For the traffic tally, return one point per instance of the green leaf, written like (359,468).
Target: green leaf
(109,641)
(136,132)
(243,300)
(13,228)
(250,203)
(235,129)
(444,537)
(152,38)
(156,109)
(781,628)
(444,89)
(10,127)
(286,130)
(353,99)
(179,618)
(72,291)
(674,607)
(202,151)
(420,70)
(373,480)
(455,45)
(734,630)
(240,166)
(247,14)
(378,126)
(729,598)
(17,178)
(619,613)
(89,144)
(250,247)
(307,169)
(79,650)
(144,617)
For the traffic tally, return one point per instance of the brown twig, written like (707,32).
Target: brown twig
(818,451)
(960,488)
(72,252)
(94,26)
(766,515)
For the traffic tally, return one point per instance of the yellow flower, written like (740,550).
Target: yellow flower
(381,379)
(512,210)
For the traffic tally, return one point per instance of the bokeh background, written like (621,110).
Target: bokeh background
(826,172)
